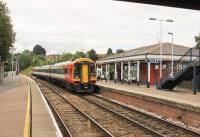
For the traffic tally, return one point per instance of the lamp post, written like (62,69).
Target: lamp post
(161,24)
(172,42)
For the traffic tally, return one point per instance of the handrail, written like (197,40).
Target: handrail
(180,63)
(185,54)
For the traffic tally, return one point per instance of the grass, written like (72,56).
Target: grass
(27,71)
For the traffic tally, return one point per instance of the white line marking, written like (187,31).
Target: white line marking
(58,132)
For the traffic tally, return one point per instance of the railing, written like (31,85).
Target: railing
(191,56)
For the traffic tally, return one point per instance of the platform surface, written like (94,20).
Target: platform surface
(13,109)
(182,96)
(42,123)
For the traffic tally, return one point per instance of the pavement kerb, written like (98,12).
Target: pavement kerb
(58,132)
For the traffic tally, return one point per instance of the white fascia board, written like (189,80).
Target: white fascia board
(169,57)
(164,57)
(131,58)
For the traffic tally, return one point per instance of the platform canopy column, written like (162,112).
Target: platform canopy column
(115,72)
(129,72)
(149,74)
(122,65)
(107,72)
(138,72)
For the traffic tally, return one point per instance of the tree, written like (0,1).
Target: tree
(7,34)
(25,59)
(79,54)
(197,40)
(67,56)
(109,51)
(119,51)
(92,54)
(39,50)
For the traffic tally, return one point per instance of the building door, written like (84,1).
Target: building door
(84,73)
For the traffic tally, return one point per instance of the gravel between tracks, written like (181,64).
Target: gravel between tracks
(114,124)
(78,124)
(153,123)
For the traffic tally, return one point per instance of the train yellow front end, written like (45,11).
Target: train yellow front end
(84,77)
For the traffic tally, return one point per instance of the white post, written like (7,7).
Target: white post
(149,72)
(138,72)
(161,21)
(115,72)
(172,55)
(106,72)
(96,71)
(122,71)
(12,61)
(101,74)
(129,70)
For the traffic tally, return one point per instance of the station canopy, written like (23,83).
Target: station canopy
(187,4)
(151,50)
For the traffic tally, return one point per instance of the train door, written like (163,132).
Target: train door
(85,73)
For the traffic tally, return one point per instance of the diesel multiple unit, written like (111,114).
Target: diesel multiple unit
(78,75)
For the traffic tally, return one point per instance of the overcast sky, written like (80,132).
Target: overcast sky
(71,25)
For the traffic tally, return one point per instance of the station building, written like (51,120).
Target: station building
(142,65)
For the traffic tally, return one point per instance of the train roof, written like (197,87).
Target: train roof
(83,60)
(61,64)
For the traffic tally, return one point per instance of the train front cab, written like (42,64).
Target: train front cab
(84,76)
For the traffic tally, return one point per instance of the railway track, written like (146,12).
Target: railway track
(120,120)
(163,127)
(75,123)
(114,124)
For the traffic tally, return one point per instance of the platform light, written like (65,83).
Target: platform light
(161,22)
(172,42)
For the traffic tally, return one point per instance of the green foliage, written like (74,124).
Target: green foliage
(197,40)
(67,56)
(39,50)
(79,54)
(119,51)
(109,51)
(27,71)
(38,60)
(92,54)
(7,34)
(25,59)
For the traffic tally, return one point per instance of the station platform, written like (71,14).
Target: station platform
(14,106)
(183,96)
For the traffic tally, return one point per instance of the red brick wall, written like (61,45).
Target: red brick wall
(185,116)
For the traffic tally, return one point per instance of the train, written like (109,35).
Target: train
(77,75)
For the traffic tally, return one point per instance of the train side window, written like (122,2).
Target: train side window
(77,70)
(92,69)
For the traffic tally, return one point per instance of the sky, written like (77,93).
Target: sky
(79,25)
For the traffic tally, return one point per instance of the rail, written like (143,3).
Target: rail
(147,117)
(106,133)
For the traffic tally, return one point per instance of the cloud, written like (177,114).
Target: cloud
(71,25)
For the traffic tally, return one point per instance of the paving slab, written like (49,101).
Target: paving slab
(13,97)
(13,109)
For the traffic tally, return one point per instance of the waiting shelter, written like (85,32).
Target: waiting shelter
(142,65)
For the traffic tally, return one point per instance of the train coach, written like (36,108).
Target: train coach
(78,75)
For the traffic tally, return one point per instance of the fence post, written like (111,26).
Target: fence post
(194,85)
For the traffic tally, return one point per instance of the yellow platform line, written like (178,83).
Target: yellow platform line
(27,119)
